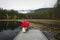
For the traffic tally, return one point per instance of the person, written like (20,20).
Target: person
(25,25)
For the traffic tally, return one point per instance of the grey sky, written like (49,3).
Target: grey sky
(26,4)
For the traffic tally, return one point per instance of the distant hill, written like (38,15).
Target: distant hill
(42,9)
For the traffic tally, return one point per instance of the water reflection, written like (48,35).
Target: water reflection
(9,34)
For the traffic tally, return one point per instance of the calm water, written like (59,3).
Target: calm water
(9,34)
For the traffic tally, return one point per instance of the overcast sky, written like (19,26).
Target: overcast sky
(26,4)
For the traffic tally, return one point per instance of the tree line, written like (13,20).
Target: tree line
(45,13)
